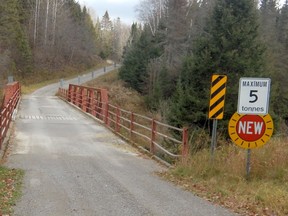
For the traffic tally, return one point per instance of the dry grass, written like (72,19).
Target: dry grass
(10,189)
(119,95)
(224,180)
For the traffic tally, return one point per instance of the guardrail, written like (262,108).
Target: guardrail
(151,134)
(11,98)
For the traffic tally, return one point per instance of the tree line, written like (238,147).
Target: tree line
(171,57)
(47,36)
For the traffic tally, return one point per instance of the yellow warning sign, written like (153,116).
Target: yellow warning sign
(217,96)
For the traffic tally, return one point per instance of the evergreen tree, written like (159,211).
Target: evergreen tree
(229,46)
(283,26)
(13,39)
(106,36)
(269,18)
(106,23)
(176,34)
(279,96)
(137,57)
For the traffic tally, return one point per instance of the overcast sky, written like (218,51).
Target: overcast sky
(125,9)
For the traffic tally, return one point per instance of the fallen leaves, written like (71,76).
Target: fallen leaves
(10,182)
(236,203)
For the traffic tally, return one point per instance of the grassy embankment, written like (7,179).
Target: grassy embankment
(223,181)
(119,95)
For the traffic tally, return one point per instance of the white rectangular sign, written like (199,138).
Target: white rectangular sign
(253,96)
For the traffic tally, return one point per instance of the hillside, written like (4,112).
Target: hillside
(119,95)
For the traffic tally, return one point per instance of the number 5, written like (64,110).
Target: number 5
(252,94)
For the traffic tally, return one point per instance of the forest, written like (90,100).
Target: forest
(168,56)
(41,38)
(171,57)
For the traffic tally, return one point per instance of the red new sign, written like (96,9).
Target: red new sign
(250,131)
(250,127)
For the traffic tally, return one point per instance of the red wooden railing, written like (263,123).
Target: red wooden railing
(11,98)
(150,133)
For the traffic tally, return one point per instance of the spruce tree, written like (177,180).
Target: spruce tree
(136,59)
(230,45)
(13,39)
(279,96)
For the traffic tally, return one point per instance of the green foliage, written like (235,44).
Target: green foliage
(13,38)
(279,52)
(229,46)
(186,107)
(137,57)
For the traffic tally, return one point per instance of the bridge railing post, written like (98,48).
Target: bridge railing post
(118,113)
(74,95)
(106,113)
(153,137)
(185,146)
(93,103)
(69,93)
(83,99)
(77,96)
(132,119)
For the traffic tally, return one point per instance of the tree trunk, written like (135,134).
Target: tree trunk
(46,22)
(36,13)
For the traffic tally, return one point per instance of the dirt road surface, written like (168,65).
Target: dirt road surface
(75,166)
(53,88)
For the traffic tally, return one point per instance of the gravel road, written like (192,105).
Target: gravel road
(53,88)
(74,166)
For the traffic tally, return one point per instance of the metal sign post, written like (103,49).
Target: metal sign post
(248,164)
(214,138)
(250,131)
(216,106)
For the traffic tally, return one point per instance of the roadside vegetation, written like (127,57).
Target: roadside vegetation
(10,189)
(223,180)
(170,61)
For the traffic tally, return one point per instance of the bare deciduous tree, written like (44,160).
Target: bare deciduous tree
(120,37)
(150,12)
